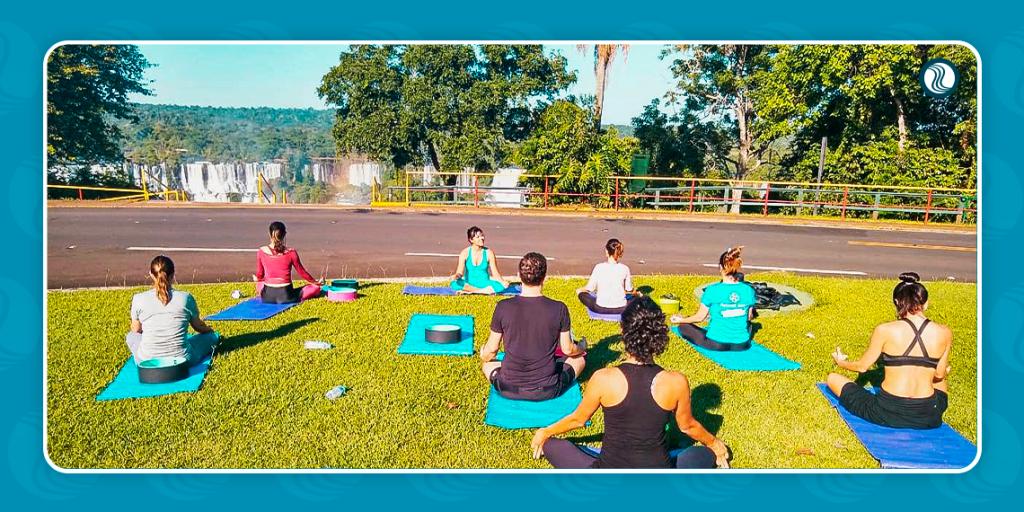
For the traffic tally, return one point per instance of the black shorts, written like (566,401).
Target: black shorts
(566,376)
(894,411)
(280,294)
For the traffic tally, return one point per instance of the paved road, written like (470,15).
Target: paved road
(365,244)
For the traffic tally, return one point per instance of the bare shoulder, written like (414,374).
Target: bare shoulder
(606,377)
(672,378)
(942,329)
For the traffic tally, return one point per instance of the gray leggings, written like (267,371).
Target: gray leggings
(199,346)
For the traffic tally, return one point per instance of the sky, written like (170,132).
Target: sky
(287,75)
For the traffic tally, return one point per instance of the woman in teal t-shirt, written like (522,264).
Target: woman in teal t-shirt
(728,306)
(478,269)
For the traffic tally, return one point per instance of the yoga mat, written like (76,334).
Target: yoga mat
(415,341)
(127,385)
(252,309)
(907,448)
(513,414)
(411,289)
(755,359)
(607,317)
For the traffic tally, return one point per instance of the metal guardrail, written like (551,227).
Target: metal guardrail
(141,194)
(786,198)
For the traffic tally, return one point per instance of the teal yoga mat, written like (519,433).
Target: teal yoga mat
(127,385)
(514,414)
(415,342)
(755,359)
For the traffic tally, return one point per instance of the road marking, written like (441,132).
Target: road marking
(788,269)
(188,249)
(445,255)
(915,246)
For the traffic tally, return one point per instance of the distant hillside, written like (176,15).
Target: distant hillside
(624,130)
(172,132)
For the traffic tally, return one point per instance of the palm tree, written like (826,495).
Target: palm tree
(604,54)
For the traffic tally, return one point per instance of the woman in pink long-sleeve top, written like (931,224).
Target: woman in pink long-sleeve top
(274,271)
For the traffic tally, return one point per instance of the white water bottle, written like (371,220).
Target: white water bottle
(336,392)
(317,344)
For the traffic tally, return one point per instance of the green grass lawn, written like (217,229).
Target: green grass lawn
(262,404)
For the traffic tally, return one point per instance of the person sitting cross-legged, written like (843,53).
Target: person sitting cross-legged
(639,398)
(531,326)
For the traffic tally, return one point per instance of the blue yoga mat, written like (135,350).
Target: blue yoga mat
(607,317)
(512,414)
(755,359)
(252,309)
(411,289)
(127,385)
(415,341)
(907,448)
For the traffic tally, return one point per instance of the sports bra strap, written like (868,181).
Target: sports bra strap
(917,337)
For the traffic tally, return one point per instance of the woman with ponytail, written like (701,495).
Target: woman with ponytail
(914,391)
(161,317)
(728,306)
(605,293)
(274,263)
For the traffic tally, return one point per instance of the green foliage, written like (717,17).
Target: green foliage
(680,145)
(859,96)
(262,404)
(175,133)
(86,84)
(453,106)
(565,144)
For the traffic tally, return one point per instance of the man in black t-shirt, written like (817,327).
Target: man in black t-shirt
(532,326)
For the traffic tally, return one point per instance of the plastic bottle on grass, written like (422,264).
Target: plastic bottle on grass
(336,392)
(317,344)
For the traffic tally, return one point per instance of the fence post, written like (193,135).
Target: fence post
(545,192)
(616,194)
(259,188)
(846,194)
(960,210)
(476,191)
(657,199)
(767,192)
(928,209)
(800,202)
(145,188)
(693,188)
(80,195)
(878,201)
(408,201)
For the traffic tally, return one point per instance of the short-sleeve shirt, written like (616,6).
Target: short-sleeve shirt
(530,329)
(612,281)
(164,327)
(729,304)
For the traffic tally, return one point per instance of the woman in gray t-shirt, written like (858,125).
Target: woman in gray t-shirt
(160,320)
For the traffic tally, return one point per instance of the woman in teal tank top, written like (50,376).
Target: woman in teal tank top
(478,269)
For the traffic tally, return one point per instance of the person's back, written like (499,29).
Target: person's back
(728,305)
(612,281)
(634,429)
(164,327)
(531,327)
(909,365)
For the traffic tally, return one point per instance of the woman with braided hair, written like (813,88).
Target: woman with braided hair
(161,318)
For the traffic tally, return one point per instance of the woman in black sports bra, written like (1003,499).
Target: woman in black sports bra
(639,398)
(914,391)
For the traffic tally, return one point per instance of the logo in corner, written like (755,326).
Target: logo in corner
(939,78)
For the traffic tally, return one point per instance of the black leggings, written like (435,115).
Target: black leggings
(590,301)
(699,337)
(563,454)
(280,294)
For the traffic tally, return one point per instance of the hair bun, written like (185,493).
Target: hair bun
(910,277)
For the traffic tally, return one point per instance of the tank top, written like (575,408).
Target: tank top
(477,275)
(634,431)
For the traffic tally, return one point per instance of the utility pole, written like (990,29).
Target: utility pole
(821,167)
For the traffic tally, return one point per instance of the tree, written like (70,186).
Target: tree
(604,55)
(681,144)
(86,84)
(719,82)
(454,106)
(566,145)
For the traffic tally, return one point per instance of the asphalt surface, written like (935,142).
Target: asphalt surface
(88,247)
